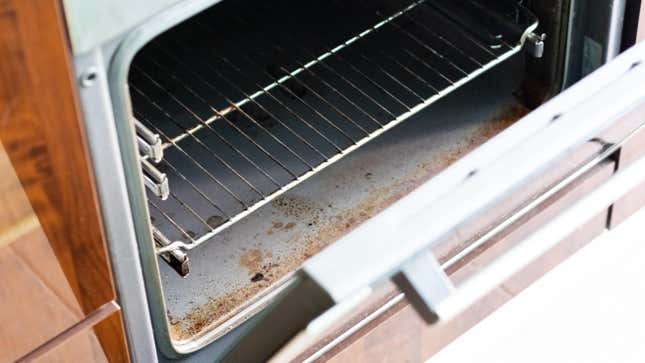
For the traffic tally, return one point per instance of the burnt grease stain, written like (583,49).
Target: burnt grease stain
(252,260)
(257,277)
(279,226)
(218,310)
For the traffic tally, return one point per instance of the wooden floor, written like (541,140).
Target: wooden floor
(37,301)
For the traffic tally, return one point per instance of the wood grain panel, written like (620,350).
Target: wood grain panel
(37,302)
(83,346)
(16,215)
(52,281)
(32,310)
(41,132)
(112,338)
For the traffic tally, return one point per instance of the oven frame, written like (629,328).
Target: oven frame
(102,72)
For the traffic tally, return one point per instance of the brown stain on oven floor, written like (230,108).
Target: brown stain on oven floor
(252,259)
(217,311)
(279,226)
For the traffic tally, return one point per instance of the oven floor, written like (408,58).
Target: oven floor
(241,264)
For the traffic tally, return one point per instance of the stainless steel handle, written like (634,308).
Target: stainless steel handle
(505,266)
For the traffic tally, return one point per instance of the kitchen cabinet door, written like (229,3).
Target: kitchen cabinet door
(55,270)
(83,346)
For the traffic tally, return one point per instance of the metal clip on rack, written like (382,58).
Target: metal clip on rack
(154,180)
(177,259)
(150,144)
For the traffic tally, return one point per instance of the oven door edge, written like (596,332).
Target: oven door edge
(129,220)
(394,243)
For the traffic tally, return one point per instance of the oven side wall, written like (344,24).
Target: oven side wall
(95,22)
(641,24)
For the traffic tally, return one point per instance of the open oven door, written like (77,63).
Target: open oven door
(395,244)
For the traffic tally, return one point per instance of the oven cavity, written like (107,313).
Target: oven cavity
(246,100)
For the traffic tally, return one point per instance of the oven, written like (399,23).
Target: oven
(263,167)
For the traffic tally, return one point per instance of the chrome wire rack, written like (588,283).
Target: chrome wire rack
(251,98)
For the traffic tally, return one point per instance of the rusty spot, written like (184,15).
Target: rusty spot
(251,260)
(257,277)
(216,311)
(280,226)
(295,206)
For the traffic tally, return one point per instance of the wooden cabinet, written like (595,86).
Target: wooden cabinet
(36,300)
(54,272)
(83,346)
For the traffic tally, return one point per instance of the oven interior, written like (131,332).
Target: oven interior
(268,130)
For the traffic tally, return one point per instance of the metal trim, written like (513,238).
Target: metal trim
(119,67)
(115,207)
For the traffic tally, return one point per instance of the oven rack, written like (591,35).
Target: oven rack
(247,108)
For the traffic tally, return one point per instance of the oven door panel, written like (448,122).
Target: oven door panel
(388,325)
(340,277)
